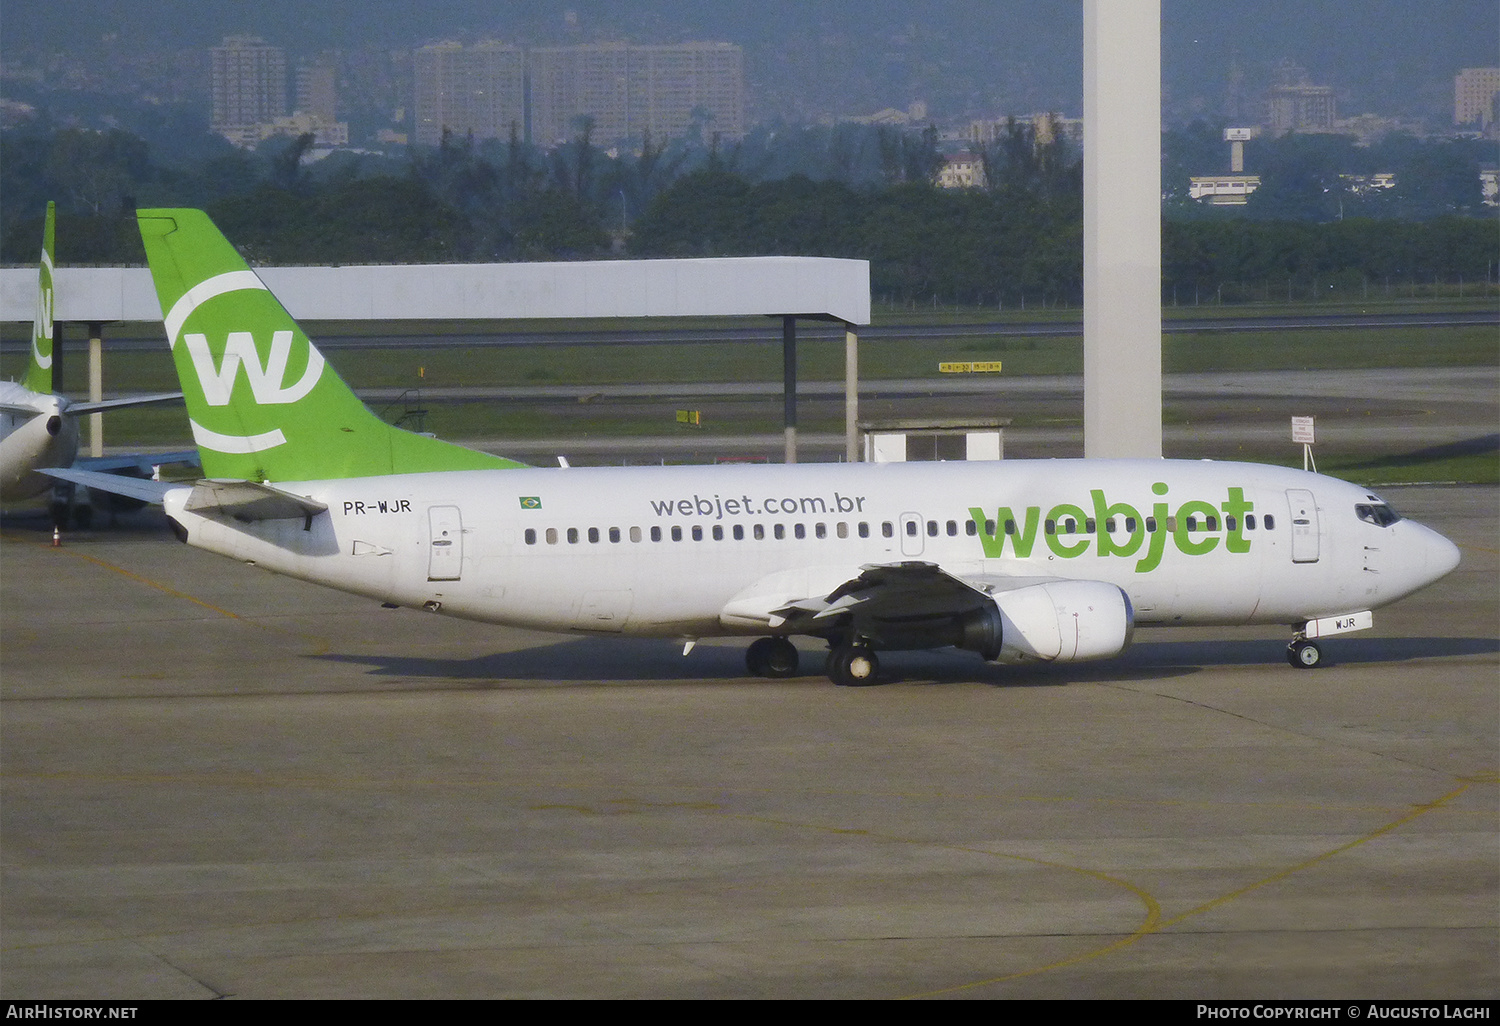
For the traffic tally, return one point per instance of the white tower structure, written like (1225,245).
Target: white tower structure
(1122,228)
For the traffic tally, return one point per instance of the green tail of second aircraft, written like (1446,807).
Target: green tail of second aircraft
(263,404)
(39,366)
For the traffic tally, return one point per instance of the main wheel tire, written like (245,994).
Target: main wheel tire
(771,657)
(1304,654)
(853,666)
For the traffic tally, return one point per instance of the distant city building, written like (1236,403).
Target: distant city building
(628,91)
(1368,185)
(1223,190)
(1476,97)
(478,90)
(317,90)
(914,114)
(1294,104)
(1489,186)
(961,171)
(1370,128)
(248,80)
(1047,128)
(325,133)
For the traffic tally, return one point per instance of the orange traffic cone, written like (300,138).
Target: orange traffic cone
(56,537)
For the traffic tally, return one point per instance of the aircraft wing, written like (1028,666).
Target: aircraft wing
(816,600)
(921,605)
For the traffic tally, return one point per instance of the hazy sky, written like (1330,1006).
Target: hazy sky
(1380,54)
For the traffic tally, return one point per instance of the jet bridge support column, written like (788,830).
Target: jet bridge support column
(851,394)
(789,384)
(1122,228)
(96,387)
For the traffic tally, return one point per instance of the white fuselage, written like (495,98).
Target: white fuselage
(35,432)
(665,551)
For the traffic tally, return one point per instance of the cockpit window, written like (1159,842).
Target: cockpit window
(1377,513)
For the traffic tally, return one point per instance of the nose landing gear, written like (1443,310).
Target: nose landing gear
(1303,654)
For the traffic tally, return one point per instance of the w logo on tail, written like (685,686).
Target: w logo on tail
(267,383)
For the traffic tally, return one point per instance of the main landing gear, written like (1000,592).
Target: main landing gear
(852,666)
(771,657)
(848,664)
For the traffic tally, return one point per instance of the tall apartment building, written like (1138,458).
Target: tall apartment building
(1294,104)
(1476,94)
(625,90)
(477,89)
(249,87)
(317,89)
(672,88)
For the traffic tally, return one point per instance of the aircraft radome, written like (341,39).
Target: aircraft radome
(1014,560)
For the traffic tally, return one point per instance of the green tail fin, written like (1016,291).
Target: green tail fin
(39,365)
(262,402)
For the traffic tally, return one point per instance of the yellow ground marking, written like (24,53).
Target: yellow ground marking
(319,645)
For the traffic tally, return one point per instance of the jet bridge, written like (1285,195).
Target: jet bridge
(788,288)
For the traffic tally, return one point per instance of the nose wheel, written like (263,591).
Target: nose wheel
(1304,654)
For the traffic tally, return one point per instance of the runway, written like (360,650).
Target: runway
(220,783)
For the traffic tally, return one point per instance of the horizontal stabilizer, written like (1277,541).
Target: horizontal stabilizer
(141,462)
(247,500)
(79,408)
(140,489)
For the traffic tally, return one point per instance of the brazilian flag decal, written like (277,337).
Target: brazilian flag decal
(531,502)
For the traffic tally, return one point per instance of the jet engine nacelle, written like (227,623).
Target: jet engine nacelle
(1060,621)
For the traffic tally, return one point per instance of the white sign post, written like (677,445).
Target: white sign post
(1302,431)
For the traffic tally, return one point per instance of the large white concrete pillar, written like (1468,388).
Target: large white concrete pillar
(1121,228)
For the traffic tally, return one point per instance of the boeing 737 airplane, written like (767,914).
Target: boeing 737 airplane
(39,429)
(1017,560)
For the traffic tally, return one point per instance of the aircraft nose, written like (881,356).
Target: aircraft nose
(1442,555)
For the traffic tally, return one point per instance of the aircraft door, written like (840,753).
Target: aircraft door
(445,551)
(1304,510)
(911,534)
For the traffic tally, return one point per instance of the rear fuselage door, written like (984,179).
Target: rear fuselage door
(445,557)
(1304,510)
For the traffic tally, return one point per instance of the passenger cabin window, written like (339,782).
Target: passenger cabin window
(530,536)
